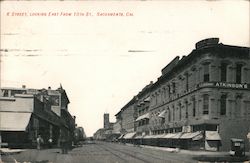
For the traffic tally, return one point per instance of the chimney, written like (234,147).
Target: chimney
(49,88)
(24,86)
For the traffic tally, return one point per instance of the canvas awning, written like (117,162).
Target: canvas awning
(147,99)
(149,136)
(162,114)
(144,116)
(121,136)
(129,135)
(169,135)
(192,135)
(13,121)
(139,137)
(212,135)
(177,135)
(159,136)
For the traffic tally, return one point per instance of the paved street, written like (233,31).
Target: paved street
(100,152)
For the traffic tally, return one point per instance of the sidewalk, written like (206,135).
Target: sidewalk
(188,152)
(11,151)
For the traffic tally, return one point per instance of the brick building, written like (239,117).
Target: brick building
(26,113)
(200,101)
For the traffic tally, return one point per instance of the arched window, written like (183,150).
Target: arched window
(205,104)
(223,104)
(206,77)
(238,73)
(194,107)
(180,111)
(223,74)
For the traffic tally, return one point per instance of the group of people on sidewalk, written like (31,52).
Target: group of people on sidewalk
(64,143)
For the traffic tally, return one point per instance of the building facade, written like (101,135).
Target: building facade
(27,113)
(200,101)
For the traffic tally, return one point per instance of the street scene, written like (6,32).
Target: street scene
(104,152)
(124,82)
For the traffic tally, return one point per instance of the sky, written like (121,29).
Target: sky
(103,61)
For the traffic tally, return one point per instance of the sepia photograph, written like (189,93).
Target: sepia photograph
(124,81)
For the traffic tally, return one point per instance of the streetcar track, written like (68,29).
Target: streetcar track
(101,146)
(131,155)
(150,155)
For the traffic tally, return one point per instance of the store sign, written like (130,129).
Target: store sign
(231,85)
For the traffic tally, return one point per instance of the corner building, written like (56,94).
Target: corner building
(200,101)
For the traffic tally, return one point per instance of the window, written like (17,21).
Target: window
(162,120)
(169,91)
(205,104)
(194,107)
(174,87)
(238,73)
(223,104)
(169,115)
(173,114)
(180,111)
(223,72)
(186,105)
(206,72)
(187,86)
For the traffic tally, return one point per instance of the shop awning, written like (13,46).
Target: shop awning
(147,99)
(13,121)
(129,135)
(192,135)
(177,135)
(212,135)
(159,136)
(121,136)
(139,137)
(144,116)
(169,135)
(149,136)
(162,114)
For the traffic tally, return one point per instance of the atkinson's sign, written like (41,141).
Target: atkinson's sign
(225,85)
(231,85)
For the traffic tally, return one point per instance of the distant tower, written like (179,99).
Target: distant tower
(106,120)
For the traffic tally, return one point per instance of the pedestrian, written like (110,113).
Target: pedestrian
(39,141)
(63,142)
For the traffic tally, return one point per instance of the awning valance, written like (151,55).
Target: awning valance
(144,116)
(13,121)
(212,135)
(162,114)
(129,135)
